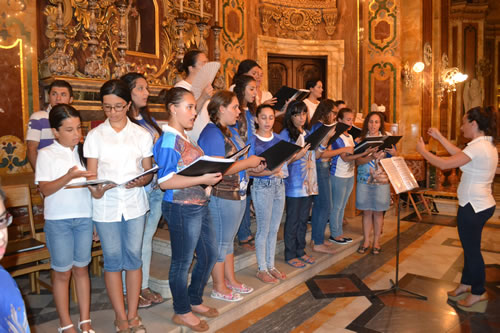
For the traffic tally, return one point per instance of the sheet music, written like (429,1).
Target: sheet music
(204,77)
(399,174)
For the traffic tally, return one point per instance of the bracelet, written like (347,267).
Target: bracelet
(322,148)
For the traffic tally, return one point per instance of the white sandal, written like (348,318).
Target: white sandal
(62,329)
(84,322)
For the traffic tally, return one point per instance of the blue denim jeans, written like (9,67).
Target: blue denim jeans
(244,231)
(269,201)
(190,230)
(69,242)
(470,227)
(121,243)
(155,198)
(322,203)
(341,190)
(226,216)
(297,213)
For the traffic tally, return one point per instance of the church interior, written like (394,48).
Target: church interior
(423,63)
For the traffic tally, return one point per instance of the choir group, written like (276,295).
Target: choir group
(204,213)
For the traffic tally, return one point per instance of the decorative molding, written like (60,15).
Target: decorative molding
(382,27)
(468,11)
(384,71)
(297,19)
(427,54)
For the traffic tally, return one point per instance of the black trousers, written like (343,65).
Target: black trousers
(297,213)
(470,226)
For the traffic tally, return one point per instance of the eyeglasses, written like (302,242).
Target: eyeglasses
(118,107)
(6,220)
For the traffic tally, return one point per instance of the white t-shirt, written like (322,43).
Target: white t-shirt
(119,158)
(311,107)
(341,168)
(53,162)
(184,84)
(478,174)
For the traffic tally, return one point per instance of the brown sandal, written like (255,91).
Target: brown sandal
(266,277)
(152,296)
(202,326)
(139,328)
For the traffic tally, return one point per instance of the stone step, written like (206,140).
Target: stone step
(263,293)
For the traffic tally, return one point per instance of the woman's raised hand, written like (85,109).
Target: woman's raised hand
(434,132)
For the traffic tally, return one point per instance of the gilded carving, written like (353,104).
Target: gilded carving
(330,18)
(17,5)
(293,19)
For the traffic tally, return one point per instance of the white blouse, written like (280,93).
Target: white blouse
(53,162)
(478,174)
(119,158)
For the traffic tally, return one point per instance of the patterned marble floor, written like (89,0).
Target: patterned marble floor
(340,298)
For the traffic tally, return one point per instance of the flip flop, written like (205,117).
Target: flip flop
(308,260)
(295,263)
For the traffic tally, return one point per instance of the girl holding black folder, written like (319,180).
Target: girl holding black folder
(322,203)
(300,186)
(373,192)
(68,213)
(342,178)
(227,202)
(268,194)
(185,208)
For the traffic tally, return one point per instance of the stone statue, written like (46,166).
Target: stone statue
(473,94)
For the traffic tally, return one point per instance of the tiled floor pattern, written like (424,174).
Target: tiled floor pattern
(430,263)
(430,266)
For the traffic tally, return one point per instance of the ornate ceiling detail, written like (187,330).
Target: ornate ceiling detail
(299,19)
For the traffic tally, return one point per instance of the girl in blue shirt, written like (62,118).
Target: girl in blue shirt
(322,203)
(185,208)
(227,202)
(245,89)
(138,113)
(268,195)
(300,186)
(342,178)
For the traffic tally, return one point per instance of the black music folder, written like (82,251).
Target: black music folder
(206,164)
(285,93)
(279,153)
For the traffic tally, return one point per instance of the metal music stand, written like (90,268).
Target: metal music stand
(395,285)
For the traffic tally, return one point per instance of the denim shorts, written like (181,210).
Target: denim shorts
(121,243)
(376,197)
(69,242)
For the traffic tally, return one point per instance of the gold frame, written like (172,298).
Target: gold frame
(157,38)
(24,96)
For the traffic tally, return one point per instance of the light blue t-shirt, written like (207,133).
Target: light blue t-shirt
(12,309)
(302,180)
(258,145)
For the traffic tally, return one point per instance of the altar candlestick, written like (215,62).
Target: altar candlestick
(201,8)
(181,6)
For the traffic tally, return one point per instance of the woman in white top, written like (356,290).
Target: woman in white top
(68,214)
(478,162)
(192,62)
(119,150)
(315,94)
(252,68)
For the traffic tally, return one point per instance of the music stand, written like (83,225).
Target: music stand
(402,180)
(395,285)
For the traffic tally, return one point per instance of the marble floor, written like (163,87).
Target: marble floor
(339,296)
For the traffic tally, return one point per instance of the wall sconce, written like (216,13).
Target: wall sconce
(449,77)
(407,74)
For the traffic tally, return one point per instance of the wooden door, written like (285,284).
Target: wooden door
(295,72)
